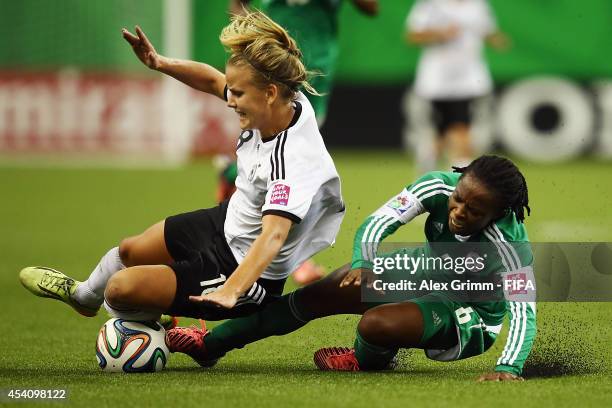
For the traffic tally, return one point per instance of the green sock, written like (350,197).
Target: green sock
(279,317)
(372,357)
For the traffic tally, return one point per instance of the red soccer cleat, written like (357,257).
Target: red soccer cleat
(336,359)
(190,341)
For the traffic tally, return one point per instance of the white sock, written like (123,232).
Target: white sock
(91,292)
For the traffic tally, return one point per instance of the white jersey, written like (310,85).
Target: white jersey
(293,176)
(455,69)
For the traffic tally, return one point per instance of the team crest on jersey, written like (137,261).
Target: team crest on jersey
(280,194)
(400,204)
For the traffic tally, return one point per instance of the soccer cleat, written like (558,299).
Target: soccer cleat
(190,341)
(168,322)
(49,283)
(336,359)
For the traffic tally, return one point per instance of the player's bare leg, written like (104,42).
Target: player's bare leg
(381,332)
(148,248)
(396,325)
(87,297)
(150,288)
(459,146)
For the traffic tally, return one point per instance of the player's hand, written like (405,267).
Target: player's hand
(499,376)
(142,47)
(219,298)
(357,276)
(353,277)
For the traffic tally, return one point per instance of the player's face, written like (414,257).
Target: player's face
(247,100)
(471,207)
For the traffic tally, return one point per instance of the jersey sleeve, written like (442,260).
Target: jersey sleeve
(520,337)
(515,264)
(292,184)
(397,211)
(432,190)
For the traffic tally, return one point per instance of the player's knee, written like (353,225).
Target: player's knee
(127,251)
(374,327)
(120,291)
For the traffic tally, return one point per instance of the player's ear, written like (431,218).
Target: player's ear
(272,93)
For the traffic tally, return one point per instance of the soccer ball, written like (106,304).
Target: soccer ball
(131,346)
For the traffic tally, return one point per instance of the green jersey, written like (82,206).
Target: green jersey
(430,194)
(314,25)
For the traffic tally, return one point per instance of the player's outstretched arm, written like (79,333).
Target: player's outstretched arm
(264,249)
(197,75)
(518,344)
(427,37)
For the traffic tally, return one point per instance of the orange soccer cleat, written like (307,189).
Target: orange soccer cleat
(336,359)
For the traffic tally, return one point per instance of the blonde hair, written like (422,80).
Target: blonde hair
(254,39)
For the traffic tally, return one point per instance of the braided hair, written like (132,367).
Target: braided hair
(504,178)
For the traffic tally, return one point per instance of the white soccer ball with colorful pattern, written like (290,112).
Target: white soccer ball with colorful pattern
(132,347)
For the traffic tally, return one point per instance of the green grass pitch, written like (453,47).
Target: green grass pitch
(68,218)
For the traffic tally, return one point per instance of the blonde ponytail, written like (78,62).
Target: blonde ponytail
(254,39)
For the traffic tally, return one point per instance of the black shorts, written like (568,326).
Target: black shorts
(448,112)
(202,263)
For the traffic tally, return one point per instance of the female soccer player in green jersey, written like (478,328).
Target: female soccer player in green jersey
(482,203)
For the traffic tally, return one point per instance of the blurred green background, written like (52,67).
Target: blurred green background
(549,36)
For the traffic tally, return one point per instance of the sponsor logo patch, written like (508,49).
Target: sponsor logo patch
(280,194)
(400,204)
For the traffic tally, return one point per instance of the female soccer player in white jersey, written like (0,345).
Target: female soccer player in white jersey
(229,260)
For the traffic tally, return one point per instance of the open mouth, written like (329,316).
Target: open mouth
(455,224)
